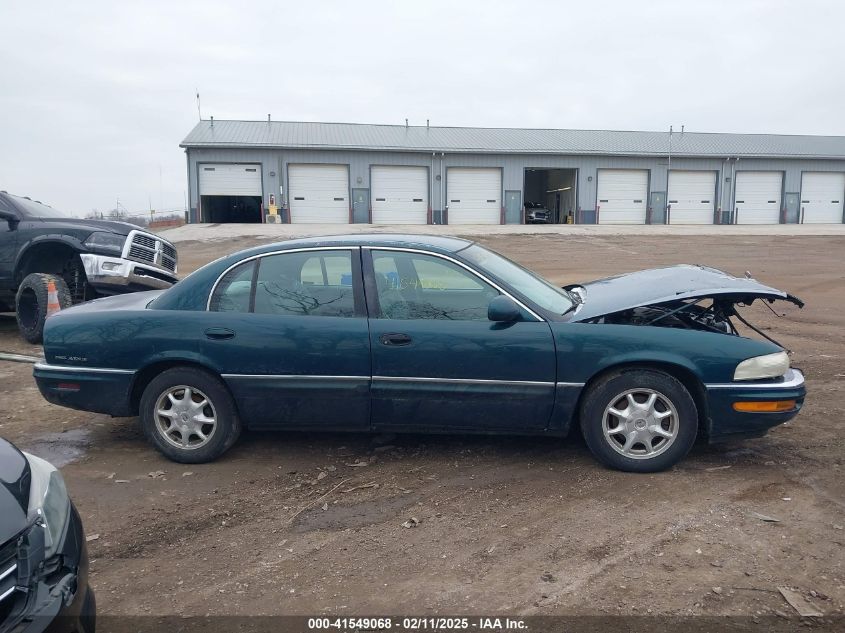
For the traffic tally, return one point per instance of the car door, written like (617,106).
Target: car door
(289,335)
(438,362)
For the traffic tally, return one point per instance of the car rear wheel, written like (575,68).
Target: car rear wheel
(31,303)
(189,415)
(639,420)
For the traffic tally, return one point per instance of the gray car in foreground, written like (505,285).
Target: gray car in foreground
(43,557)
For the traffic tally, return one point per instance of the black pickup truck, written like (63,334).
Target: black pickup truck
(83,258)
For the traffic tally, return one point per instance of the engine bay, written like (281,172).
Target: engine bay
(707,314)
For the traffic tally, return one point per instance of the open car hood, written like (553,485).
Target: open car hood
(665,285)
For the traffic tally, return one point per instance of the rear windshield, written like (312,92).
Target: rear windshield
(34,209)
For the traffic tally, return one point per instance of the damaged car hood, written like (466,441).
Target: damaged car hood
(664,285)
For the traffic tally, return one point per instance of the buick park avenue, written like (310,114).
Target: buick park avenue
(403,333)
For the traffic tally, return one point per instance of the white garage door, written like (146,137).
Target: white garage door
(758,197)
(474,195)
(692,197)
(822,196)
(229,180)
(319,194)
(622,196)
(400,195)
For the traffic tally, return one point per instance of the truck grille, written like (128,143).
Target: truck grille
(9,595)
(150,249)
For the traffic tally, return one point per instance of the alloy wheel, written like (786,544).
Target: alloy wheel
(640,423)
(185,417)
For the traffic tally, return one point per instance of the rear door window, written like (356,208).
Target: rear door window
(314,283)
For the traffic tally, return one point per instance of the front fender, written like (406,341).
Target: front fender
(569,393)
(647,357)
(67,240)
(586,349)
(40,241)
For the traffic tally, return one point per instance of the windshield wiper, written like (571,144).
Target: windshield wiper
(571,308)
(574,298)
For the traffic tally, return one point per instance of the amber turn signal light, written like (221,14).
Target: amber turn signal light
(765,407)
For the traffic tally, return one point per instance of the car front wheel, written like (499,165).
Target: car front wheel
(189,415)
(639,420)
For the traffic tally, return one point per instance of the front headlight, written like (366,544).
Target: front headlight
(768,366)
(48,499)
(108,242)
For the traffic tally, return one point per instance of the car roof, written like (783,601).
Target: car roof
(445,244)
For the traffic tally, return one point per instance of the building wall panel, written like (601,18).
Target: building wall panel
(274,168)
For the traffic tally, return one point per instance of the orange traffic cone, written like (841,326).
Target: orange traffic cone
(52,298)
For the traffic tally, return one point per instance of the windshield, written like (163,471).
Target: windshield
(35,209)
(534,288)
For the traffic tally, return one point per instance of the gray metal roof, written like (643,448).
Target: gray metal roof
(299,135)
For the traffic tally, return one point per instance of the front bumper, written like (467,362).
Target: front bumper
(63,602)
(727,423)
(57,615)
(537,218)
(114,274)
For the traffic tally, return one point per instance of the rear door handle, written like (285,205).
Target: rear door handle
(395,339)
(219,333)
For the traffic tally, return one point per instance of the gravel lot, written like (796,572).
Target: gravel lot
(311,524)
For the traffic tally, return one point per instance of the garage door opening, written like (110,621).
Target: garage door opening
(550,195)
(229,209)
(230,193)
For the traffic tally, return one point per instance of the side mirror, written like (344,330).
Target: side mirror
(11,218)
(503,309)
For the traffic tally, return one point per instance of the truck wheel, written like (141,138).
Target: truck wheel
(189,415)
(639,420)
(31,303)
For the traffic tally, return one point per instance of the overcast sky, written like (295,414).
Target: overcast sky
(95,96)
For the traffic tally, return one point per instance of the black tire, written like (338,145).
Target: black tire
(611,448)
(227,426)
(31,304)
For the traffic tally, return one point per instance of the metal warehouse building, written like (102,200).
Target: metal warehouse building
(256,171)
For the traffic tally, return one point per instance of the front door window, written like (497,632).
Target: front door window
(417,286)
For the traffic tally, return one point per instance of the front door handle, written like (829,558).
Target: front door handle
(219,333)
(395,339)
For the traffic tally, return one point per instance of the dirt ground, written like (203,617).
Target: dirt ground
(313,524)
